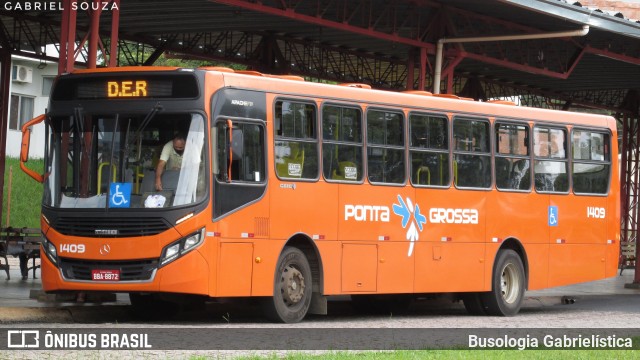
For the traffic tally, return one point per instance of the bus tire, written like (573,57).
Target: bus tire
(292,288)
(507,285)
(473,303)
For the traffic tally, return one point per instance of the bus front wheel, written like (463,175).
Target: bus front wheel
(292,288)
(507,286)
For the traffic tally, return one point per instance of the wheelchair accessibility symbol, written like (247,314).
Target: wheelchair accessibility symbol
(553,216)
(120,195)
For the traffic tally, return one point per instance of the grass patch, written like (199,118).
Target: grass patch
(452,354)
(26,195)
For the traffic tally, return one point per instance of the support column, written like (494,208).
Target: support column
(94,36)
(115,24)
(448,72)
(5,81)
(411,65)
(67,39)
(629,186)
(423,69)
(630,174)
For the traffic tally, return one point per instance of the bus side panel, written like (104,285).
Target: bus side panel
(447,267)
(395,267)
(538,261)
(366,216)
(244,226)
(521,216)
(330,254)
(581,219)
(451,250)
(265,258)
(308,208)
(577,241)
(359,267)
(235,267)
(575,263)
(211,249)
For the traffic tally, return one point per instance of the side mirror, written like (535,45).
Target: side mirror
(26,142)
(24,150)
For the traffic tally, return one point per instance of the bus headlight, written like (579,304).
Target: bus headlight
(181,247)
(50,251)
(192,241)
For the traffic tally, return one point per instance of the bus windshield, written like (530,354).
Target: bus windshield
(100,161)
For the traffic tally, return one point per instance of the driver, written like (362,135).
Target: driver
(170,158)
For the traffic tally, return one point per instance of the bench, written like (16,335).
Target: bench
(23,243)
(627,255)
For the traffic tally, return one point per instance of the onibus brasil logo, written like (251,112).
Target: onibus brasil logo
(412,215)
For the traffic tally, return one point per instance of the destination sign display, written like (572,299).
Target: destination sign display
(126,86)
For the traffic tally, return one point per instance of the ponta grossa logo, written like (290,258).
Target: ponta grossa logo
(410,216)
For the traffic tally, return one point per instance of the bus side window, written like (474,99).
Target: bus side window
(551,165)
(247,147)
(296,145)
(429,150)
(512,169)
(472,153)
(591,162)
(385,147)
(342,143)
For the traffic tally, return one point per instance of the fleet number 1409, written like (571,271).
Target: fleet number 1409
(72,248)
(595,212)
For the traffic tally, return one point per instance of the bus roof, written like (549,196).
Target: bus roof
(418,100)
(295,86)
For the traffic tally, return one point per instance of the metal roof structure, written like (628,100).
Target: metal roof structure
(389,44)
(372,41)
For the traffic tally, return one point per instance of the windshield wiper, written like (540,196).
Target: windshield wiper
(157,107)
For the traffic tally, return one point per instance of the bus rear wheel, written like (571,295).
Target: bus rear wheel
(507,286)
(292,288)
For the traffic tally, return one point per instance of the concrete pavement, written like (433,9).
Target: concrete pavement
(24,301)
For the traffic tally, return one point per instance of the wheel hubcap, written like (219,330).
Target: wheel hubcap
(292,285)
(510,283)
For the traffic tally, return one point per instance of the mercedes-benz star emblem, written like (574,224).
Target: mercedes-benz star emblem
(104,249)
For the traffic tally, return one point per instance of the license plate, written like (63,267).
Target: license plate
(105,275)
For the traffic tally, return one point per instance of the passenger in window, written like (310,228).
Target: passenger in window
(170,158)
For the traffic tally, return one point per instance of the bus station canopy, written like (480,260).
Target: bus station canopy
(390,44)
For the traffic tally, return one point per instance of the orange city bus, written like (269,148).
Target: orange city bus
(291,192)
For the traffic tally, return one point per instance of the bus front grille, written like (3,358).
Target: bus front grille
(130,270)
(110,227)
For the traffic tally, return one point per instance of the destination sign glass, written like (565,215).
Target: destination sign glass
(126,86)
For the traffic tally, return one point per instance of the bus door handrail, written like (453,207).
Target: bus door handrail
(229,149)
